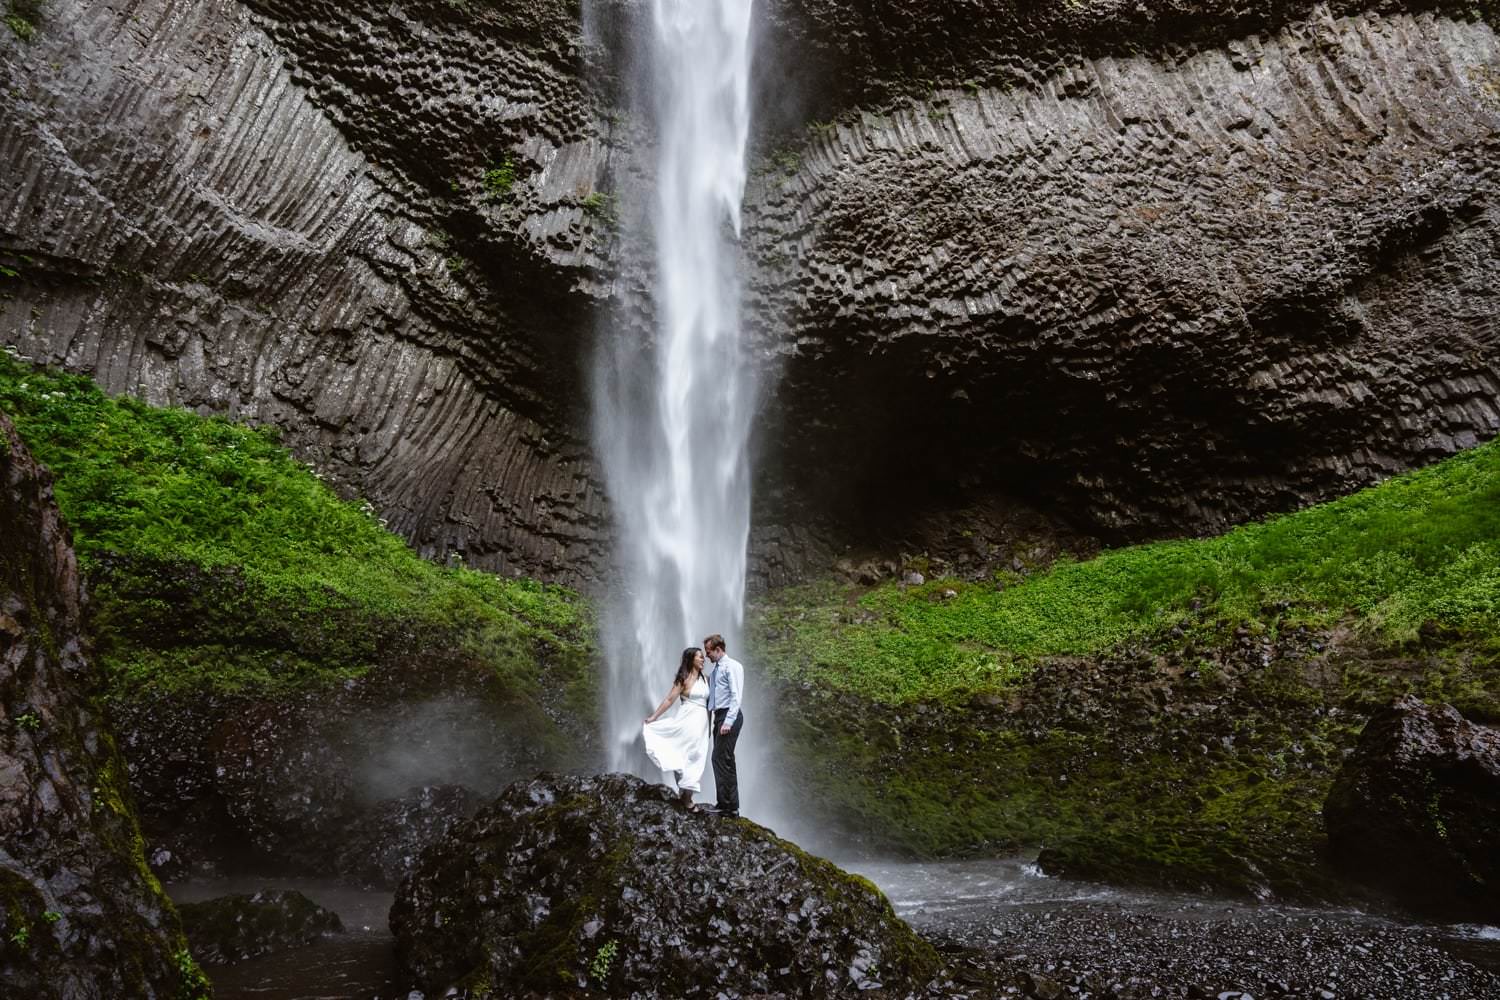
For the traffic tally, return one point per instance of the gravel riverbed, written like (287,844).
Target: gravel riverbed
(1200,950)
(1007,931)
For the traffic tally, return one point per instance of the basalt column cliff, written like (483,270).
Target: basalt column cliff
(1162,267)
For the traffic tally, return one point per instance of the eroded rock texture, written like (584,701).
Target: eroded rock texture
(608,884)
(354,781)
(190,224)
(80,917)
(1416,810)
(1171,292)
(1152,268)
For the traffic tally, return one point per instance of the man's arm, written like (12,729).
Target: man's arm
(736,689)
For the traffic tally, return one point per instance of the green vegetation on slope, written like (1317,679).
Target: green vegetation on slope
(1171,713)
(1422,549)
(219,561)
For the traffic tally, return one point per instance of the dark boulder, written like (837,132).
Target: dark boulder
(607,885)
(234,928)
(390,839)
(1415,811)
(80,915)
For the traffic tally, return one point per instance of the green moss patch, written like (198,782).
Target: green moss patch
(220,562)
(1420,551)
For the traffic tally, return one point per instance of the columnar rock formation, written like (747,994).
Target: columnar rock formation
(1175,290)
(1159,267)
(192,220)
(80,916)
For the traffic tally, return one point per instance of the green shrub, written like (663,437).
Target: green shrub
(25,31)
(498,180)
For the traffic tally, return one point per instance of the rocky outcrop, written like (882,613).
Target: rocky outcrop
(80,915)
(234,928)
(609,885)
(1416,810)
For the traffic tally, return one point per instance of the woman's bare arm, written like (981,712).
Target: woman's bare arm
(666,703)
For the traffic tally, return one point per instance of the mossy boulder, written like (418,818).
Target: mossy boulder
(234,928)
(1415,810)
(608,886)
(80,915)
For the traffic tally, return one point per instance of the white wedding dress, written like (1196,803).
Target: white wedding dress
(678,741)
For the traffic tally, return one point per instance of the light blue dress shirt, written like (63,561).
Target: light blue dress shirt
(726,688)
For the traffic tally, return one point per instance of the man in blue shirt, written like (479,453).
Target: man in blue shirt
(726,686)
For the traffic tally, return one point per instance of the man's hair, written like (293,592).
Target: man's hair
(715,641)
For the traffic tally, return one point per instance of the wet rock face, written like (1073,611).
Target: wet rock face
(408,318)
(608,884)
(386,845)
(353,781)
(233,928)
(1171,291)
(80,916)
(1416,810)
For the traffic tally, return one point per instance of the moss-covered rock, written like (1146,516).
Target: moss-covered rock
(280,667)
(80,914)
(609,886)
(1171,714)
(1415,810)
(234,928)
(1130,769)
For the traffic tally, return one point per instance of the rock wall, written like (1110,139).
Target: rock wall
(194,217)
(1170,291)
(1153,269)
(80,916)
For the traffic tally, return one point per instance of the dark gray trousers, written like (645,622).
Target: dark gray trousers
(726,777)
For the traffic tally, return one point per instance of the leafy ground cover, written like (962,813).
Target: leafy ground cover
(1419,551)
(1170,714)
(219,561)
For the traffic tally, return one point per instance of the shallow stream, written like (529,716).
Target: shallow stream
(1003,904)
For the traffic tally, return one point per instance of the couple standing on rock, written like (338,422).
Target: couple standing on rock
(709,711)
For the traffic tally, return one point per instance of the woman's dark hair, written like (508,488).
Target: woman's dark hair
(686,666)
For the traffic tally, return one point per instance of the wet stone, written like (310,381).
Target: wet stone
(238,927)
(1415,810)
(610,884)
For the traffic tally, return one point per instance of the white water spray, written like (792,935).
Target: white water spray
(672,419)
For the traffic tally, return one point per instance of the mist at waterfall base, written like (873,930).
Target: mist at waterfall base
(673,416)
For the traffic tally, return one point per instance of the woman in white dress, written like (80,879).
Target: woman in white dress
(678,743)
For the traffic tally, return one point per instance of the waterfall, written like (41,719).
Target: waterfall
(672,417)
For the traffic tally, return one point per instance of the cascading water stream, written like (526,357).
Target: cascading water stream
(672,419)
